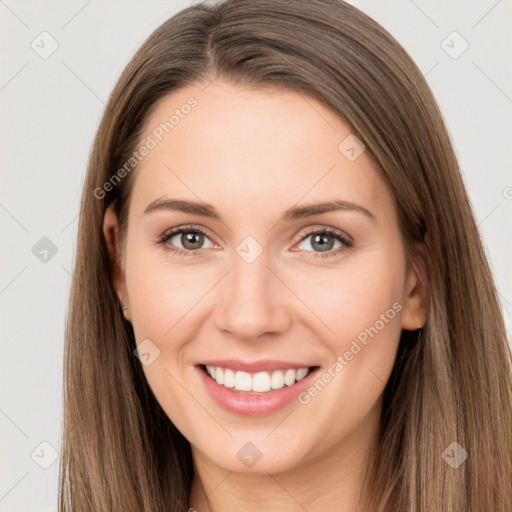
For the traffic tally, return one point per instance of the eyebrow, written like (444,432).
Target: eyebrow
(293,213)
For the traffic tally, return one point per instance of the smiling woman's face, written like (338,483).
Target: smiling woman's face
(252,283)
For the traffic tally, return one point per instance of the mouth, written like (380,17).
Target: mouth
(256,383)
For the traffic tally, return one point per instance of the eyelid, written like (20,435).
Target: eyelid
(321,228)
(186,227)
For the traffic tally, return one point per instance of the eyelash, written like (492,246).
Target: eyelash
(338,235)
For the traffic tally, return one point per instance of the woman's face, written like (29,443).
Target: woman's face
(252,287)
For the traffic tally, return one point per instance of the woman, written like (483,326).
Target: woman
(281,299)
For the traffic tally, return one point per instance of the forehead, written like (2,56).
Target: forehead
(252,149)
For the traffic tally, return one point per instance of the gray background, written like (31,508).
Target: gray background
(50,109)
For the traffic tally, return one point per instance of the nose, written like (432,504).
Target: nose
(254,301)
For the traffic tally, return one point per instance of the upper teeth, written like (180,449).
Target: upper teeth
(259,382)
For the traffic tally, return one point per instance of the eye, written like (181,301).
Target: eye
(324,240)
(191,239)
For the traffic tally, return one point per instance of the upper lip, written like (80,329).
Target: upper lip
(264,365)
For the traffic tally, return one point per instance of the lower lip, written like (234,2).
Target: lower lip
(245,404)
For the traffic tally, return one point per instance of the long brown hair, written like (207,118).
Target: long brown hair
(452,379)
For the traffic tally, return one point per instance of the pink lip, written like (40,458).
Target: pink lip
(245,404)
(265,365)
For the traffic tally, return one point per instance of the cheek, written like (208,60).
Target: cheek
(355,296)
(165,300)
(359,306)
(162,293)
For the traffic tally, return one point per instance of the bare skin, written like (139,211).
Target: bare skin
(252,154)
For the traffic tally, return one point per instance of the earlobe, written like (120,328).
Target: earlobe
(111,235)
(415,311)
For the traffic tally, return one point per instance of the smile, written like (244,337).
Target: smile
(254,389)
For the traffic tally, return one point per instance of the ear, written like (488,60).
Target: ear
(111,234)
(415,311)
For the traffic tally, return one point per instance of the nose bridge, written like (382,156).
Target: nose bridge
(251,303)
